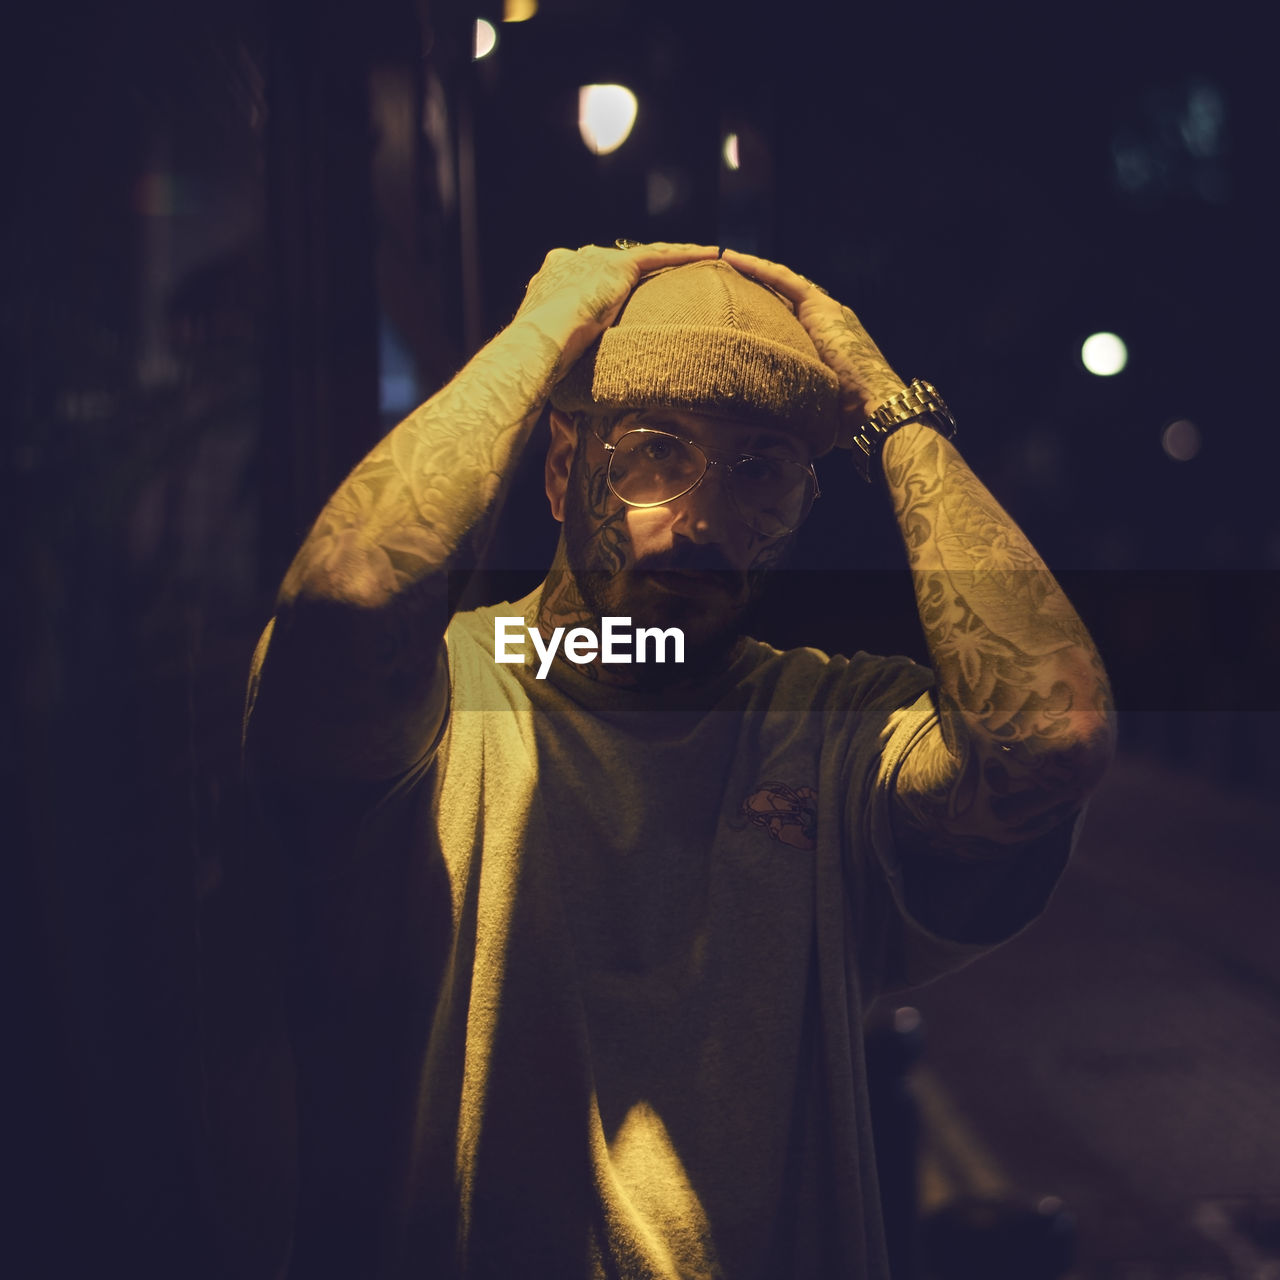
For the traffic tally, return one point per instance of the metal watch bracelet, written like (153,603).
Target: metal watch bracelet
(918,402)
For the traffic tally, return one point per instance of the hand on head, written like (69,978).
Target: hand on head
(842,343)
(577,293)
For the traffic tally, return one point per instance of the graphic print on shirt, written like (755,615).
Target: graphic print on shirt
(788,814)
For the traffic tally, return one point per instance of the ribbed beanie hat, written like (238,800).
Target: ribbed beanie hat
(706,338)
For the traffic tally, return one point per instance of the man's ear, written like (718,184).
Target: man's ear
(564,444)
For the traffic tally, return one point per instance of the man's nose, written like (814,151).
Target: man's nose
(707,509)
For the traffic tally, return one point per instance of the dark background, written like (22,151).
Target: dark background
(241,240)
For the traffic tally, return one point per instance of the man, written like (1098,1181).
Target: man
(584,944)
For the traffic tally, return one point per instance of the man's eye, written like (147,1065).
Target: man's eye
(758,470)
(657,450)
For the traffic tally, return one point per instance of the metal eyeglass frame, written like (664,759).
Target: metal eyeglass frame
(611,449)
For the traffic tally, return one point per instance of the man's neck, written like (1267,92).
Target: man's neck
(558,602)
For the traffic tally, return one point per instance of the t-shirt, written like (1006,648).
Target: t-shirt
(581,995)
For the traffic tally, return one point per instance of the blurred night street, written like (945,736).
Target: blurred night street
(1121,1054)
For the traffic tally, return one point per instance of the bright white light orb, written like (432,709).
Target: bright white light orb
(1181,440)
(486,40)
(606,113)
(730,151)
(1104,354)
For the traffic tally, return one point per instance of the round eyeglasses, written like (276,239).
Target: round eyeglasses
(648,468)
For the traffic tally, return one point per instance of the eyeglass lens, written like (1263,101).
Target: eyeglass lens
(648,468)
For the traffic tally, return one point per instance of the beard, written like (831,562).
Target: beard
(691,585)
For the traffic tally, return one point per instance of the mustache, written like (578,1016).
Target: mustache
(691,558)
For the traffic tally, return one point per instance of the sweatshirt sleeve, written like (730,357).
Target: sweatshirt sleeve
(924,915)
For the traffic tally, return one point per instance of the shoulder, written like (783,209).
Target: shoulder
(864,682)
(477,626)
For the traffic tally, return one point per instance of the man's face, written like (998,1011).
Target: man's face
(692,562)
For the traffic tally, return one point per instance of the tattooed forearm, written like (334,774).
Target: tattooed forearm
(1027,725)
(423,494)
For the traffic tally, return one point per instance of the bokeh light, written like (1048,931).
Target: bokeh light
(661,192)
(1181,440)
(1104,354)
(486,39)
(606,113)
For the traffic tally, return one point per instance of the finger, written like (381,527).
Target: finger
(648,257)
(789,283)
(793,286)
(677,249)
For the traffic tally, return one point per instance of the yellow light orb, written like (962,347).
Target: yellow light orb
(606,113)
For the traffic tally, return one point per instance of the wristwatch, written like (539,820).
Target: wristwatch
(920,402)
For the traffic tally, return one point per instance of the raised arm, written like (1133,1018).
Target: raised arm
(352,682)
(1026,726)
